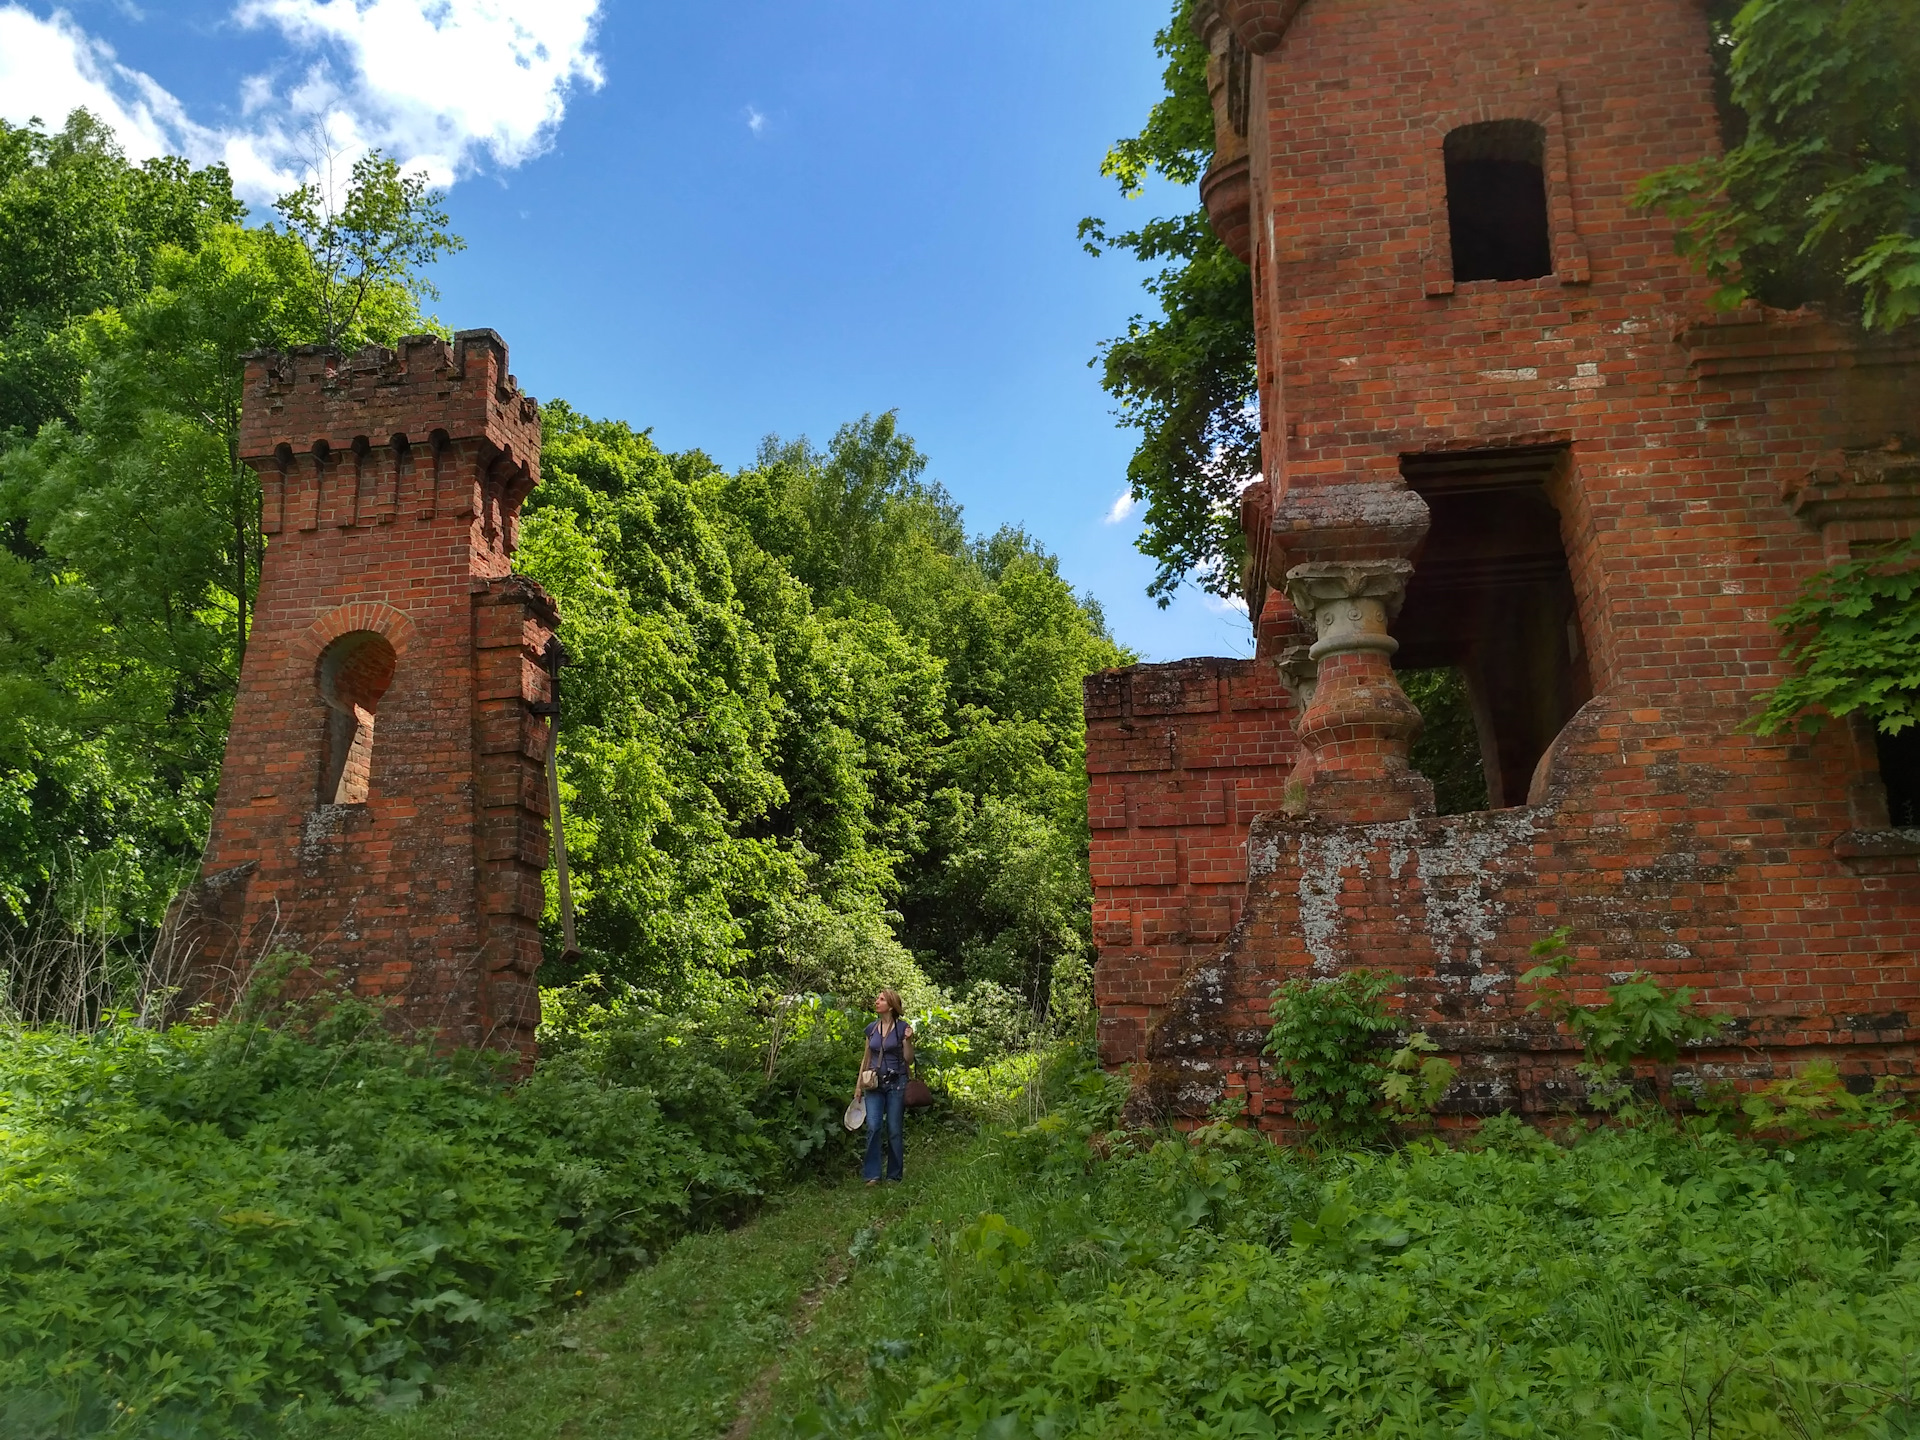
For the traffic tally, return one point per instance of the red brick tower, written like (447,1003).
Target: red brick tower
(1503,431)
(381,808)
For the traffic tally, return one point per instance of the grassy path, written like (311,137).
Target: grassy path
(692,1348)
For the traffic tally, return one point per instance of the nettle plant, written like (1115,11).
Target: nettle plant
(1328,1038)
(1641,1020)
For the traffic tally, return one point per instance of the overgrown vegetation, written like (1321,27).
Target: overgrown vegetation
(1447,749)
(1853,638)
(1817,196)
(210,1229)
(1640,1020)
(1649,1281)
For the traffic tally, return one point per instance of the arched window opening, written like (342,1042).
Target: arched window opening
(1497,201)
(354,672)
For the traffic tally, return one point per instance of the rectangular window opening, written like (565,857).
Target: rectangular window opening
(1497,201)
(1900,774)
(1491,648)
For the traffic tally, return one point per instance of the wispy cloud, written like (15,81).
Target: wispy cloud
(1121,508)
(756,122)
(49,67)
(443,86)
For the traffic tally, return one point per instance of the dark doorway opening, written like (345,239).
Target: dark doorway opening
(1900,773)
(1497,201)
(1492,597)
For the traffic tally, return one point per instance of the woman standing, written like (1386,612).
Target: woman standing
(883,1084)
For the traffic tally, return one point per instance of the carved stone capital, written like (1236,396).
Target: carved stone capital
(1299,672)
(1349,603)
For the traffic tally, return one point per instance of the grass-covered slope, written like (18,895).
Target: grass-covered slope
(1638,1282)
(209,1229)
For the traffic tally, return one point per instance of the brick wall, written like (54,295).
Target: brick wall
(392,488)
(1180,759)
(1707,464)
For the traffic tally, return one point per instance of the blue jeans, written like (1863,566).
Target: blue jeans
(887,1116)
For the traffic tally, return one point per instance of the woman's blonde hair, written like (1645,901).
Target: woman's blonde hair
(895,1009)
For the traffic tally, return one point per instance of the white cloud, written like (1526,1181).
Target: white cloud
(440,85)
(756,122)
(1121,507)
(1226,604)
(49,67)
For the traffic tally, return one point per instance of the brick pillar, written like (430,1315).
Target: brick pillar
(381,809)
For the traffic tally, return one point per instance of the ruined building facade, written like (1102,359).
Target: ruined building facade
(382,806)
(1504,430)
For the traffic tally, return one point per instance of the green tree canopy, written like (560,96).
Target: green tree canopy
(133,529)
(1817,196)
(1184,379)
(83,232)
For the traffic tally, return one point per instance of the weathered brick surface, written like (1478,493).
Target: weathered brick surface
(1180,760)
(1710,463)
(393,484)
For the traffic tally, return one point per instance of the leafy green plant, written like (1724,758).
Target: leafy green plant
(1417,1078)
(1817,196)
(1641,1020)
(1185,378)
(1326,1038)
(1812,1101)
(1648,1281)
(1853,634)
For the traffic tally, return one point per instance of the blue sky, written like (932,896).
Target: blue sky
(723,221)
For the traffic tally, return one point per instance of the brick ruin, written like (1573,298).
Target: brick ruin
(1504,430)
(382,806)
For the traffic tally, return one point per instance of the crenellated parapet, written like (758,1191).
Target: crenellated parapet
(425,430)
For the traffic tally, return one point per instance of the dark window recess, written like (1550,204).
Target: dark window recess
(1491,609)
(1497,201)
(1900,773)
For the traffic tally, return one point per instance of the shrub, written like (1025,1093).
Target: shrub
(1641,1020)
(207,1227)
(1326,1037)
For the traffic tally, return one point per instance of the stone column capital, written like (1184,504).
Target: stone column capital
(1349,603)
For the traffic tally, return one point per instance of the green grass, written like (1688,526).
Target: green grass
(729,1329)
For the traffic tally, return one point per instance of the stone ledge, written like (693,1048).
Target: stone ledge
(1877,844)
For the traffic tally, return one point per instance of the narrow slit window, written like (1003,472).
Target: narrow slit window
(1497,201)
(354,674)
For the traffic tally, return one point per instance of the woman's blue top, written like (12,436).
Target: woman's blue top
(887,1052)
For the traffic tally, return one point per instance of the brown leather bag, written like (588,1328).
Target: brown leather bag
(918,1095)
